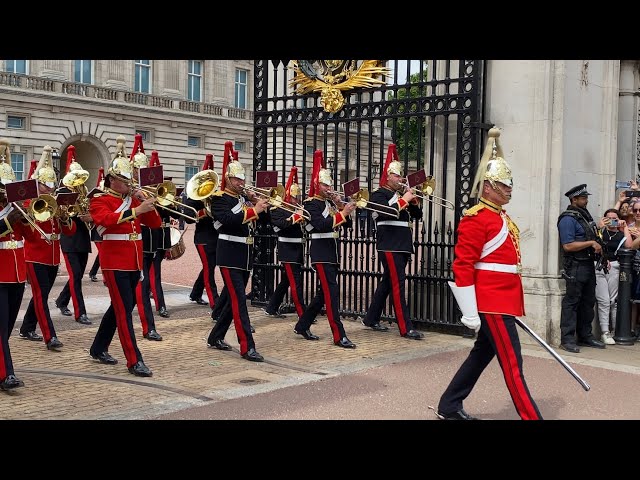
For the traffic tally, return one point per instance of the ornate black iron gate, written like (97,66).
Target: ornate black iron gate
(433,111)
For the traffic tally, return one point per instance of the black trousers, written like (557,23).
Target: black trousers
(10,299)
(578,303)
(41,278)
(497,336)
(122,290)
(327,293)
(234,309)
(72,290)
(143,301)
(292,276)
(393,282)
(156,279)
(206,279)
(96,265)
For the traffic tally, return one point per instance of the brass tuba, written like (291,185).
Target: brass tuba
(201,186)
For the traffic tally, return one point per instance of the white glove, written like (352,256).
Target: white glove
(466,298)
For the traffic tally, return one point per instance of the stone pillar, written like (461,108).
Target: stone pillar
(169,71)
(119,74)
(219,78)
(629,111)
(559,124)
(53,69)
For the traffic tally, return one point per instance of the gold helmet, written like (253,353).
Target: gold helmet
(120,166)
(231,167)
(44,171)
(7,175)
(492,167)
(138,158)
(391,165)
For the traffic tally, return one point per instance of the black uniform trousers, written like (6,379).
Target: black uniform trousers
(10,299)
(41,278)
(96,264)
(578,303)
(143,301)
(292,276)
(393,282)
(155,277)
(76,264)
(206,279)
(497,336)
(234,308)
(122,290)
(328,293)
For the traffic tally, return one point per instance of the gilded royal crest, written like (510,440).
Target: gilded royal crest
(332,77)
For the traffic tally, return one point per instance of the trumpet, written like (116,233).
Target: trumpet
(361,199)
(425,190)
(275,196)
(165,194)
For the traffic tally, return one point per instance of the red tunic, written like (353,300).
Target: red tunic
(496,292)
(13,269)
(120,254)
(36,248)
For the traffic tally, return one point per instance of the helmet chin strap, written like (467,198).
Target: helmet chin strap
(499,191)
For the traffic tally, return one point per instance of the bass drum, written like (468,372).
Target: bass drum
(177,244)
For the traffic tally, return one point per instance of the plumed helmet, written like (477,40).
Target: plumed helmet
(44,171)
(120,165)
(138,158)
(492,167)
(391,165)
(7,175)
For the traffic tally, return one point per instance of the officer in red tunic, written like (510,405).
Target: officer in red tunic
(231,208)
(290,229)
(117,216)
(13,273)
(43,257)
(326,218)
(488,288)
(394,243)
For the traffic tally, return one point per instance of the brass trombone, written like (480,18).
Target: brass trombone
(275,196)
(361,198)
(165,194)
(41,208)
(425,190)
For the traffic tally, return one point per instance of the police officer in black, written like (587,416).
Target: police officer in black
(394,210)
(577,232)
(206,240)
(236,210)
(289,225)
(77,247)
(325,219)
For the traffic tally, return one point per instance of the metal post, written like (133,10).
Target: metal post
(623,318)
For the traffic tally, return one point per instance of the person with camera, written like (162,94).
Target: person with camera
(577,232)
(614,234)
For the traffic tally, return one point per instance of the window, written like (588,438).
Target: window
(194,80)
(310,150)
(17,163)
(82,71)
(345,153)
(146,135)
(190,172)
(241,146)
(16,66)
(143,76)
(241,89)
(194,141)
(14,121)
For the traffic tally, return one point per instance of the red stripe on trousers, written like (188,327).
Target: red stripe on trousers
(72,286)
(205,274)
(121,318)
(36,291)
(328,301)
(294,289)
(395,293)
(235,308)
(510,369)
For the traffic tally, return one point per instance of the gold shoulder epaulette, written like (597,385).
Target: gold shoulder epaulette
(96,195)
(218,193)
(308,199)
(474,210)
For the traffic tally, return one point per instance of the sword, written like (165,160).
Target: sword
(575,375)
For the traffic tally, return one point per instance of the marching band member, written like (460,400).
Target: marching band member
(13,275)
(395,245)
(139,159)
(43,258)
(95,236)
(205,239)
(488,288)
(289,227)
(234,255)
(118,216)
(325,219)
(75,250)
